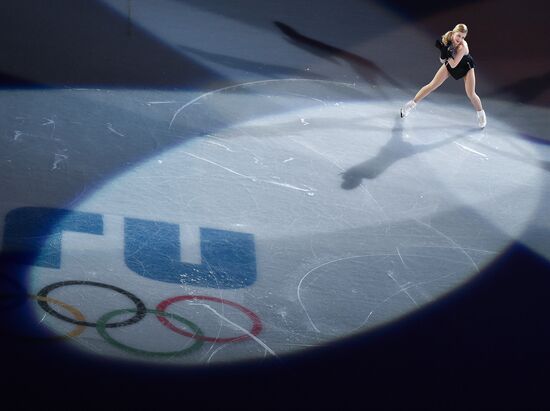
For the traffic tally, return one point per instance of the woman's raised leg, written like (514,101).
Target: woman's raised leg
(440,76)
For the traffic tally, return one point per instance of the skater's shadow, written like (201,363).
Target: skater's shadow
(396,149)
(251,66)
(366,68)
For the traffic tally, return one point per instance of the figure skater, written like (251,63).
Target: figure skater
(457,62)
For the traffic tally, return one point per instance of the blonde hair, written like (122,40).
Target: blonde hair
(459,28)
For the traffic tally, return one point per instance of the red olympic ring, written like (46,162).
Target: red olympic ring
(256,322)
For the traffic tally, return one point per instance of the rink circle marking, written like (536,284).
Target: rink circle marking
(102,330)
(251,83)
(140,312)
(256,322)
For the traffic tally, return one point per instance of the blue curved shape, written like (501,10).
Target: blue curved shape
(152,250)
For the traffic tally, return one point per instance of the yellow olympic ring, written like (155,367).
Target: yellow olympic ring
(79,329)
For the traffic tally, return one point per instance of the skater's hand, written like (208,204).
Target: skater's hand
(444,52)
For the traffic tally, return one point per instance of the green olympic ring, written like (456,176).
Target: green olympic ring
(101,326)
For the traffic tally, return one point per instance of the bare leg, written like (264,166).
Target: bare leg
(470,85)
(441,75)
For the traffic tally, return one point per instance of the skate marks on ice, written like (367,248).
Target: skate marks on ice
(252,247)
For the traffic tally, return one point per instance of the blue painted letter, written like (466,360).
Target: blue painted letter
(152,250)
(32,235)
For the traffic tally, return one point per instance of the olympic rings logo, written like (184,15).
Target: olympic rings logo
(189,329)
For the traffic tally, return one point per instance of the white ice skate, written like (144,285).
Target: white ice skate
(406,109)
(481,119)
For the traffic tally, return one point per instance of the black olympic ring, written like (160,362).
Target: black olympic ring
(140,312)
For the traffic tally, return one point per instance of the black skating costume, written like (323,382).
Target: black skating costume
(466,63)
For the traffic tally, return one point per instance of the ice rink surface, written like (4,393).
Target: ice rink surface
(221,203)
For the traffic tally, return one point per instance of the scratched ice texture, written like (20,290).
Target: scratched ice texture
(358,217)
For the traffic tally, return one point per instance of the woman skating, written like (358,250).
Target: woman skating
(456,62)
